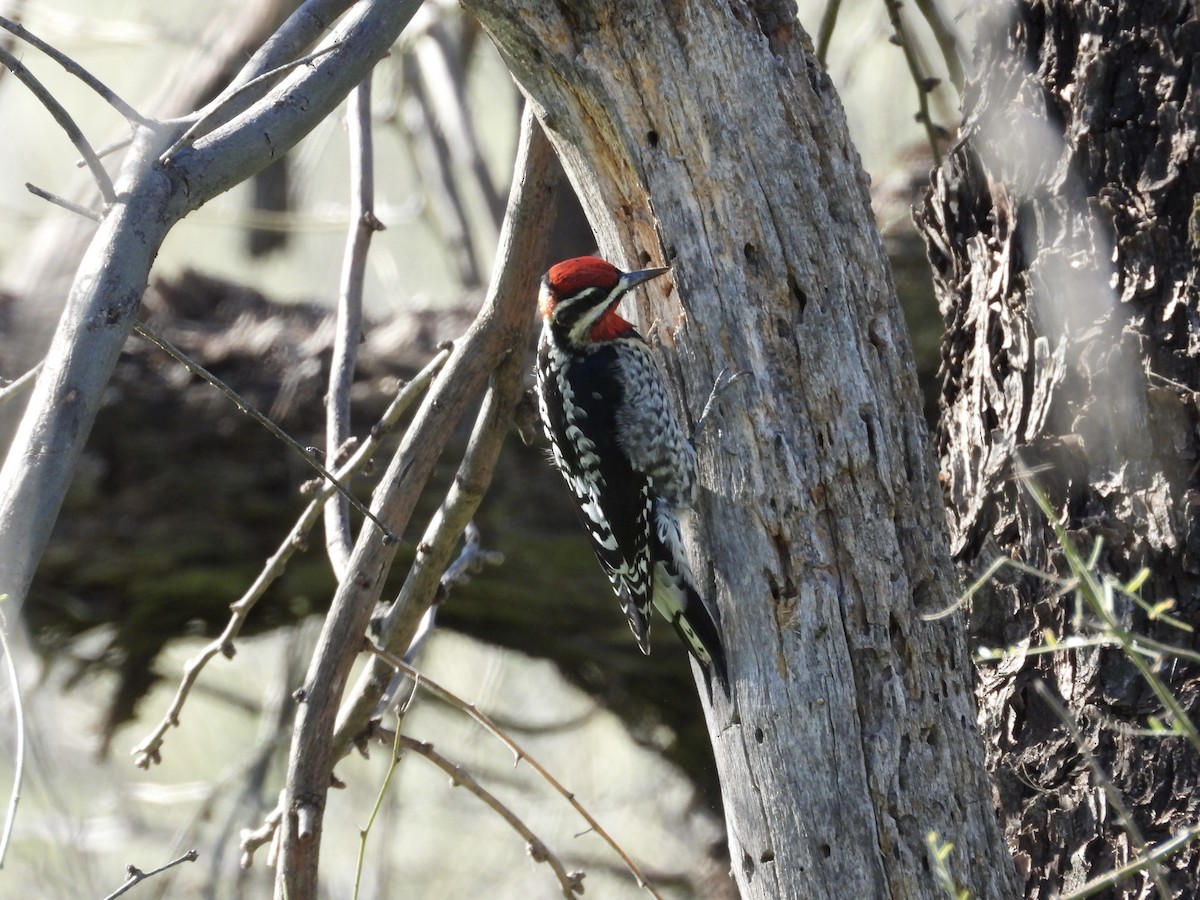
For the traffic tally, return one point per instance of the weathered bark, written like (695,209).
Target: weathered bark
(1062,230)
(706,137)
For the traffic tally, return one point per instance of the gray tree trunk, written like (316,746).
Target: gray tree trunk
(1063,233)
(708,138)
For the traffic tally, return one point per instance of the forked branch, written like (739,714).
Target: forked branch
(107,94)
(148,751)
(63,118)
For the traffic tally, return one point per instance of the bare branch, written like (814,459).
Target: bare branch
(106,93)
(363,225)
(502,328)
(422,681)
(69,205)
(13,389)
(297,34)
(63,118)
(196,369)
(408,614)
(137,876)
(115,269)
(10,817)
(148,750)
(923,83)
(224,157)
(571,883)
(222,104)
(436,548)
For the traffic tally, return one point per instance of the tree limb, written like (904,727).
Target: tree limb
(363,225)
(502,328)
(137,876)
(63,118)
(107,94)
(571,883)
(148,750)
(115,268)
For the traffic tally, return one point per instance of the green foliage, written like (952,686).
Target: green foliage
(1094,594)
(939,856)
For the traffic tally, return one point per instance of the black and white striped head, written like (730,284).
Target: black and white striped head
(579,298)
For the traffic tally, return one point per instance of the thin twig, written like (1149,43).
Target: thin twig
(1093,592)
(106,150)
(106,93)
(946,40)
(1115,800)
(253,838)
(1151,858)
(136,875)
(63,118)
(363,225)
(69,205)
(222,102)
(14,799)
(431,153)
(148,751)
(196,369)
(470,561)
(923,83)
(518,751)
(13,389)
(365,831)
(570,882)
(825,30)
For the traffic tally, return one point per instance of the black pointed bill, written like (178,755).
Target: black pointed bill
(631,280)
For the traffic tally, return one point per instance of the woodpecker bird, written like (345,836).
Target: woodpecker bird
(618,444)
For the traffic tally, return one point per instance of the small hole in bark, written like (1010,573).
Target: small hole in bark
(747,865)
(652,137)
(767,856)
(826,851)
(751,253)
(758,735)
(798,294)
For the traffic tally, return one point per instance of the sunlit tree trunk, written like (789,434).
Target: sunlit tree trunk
(707,137)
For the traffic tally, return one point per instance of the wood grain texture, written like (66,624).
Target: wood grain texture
(707,137)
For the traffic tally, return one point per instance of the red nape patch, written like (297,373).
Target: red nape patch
(582,272)
(610,326)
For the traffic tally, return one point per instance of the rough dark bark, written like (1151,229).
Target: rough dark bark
(1062,231)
